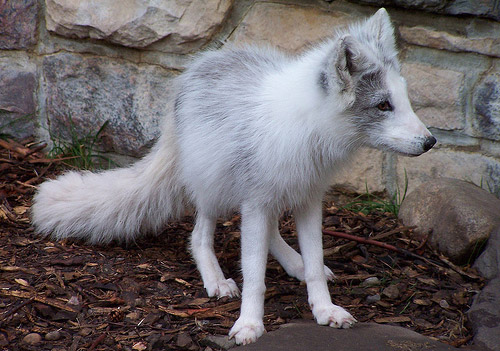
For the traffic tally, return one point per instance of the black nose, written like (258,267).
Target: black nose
(429,143)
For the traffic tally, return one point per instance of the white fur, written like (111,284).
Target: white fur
(257,131)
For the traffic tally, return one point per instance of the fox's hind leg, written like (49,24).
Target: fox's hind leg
(202,249)
(290,259)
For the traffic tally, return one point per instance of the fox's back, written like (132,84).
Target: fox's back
(220,114)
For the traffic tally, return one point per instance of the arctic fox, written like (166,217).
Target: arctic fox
(258,131)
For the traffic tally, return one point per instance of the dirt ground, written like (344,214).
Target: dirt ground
(148,295)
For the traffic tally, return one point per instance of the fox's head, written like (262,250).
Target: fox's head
(364,66)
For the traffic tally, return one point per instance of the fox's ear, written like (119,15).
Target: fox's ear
(344,61)
(380,25)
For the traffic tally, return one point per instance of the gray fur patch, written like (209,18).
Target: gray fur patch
(323,81)
(371,90)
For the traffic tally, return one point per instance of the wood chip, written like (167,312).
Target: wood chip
(395,319)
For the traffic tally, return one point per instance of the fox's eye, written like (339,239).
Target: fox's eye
(385,106)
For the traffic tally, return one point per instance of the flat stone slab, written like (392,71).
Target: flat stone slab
(307,335)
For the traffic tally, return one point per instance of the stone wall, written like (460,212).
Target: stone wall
(114,60)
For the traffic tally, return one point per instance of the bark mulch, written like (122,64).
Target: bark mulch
(148,295)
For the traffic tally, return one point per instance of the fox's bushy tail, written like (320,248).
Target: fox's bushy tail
(116,204)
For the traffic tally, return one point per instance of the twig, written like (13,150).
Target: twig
(36,149)
(15,309)
(361,240)
(445,262)
(97,341)
(14,147)
(26,295)
(382,245)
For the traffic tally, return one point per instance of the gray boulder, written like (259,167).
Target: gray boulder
(485,317)
(301,336)
(488,264)
(459,215)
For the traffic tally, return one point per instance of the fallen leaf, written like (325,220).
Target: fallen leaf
(140,346)
(22,282)
(10,268)
(422,302)
(20,210)
(144,266)
(183,282)
(428,281)
(199,301)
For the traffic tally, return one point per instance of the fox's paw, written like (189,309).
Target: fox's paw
(246,331)
(222,288)
(334,316)
(329,274)
(298,273)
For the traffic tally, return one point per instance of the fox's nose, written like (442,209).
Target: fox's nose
(429,143)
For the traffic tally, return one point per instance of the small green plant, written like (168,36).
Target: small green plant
(368,203)
(80,151)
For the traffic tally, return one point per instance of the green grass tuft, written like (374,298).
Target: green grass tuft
(369,203)
(80,151)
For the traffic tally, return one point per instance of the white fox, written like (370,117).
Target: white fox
(258,131)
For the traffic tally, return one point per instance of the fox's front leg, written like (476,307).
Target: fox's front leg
(256,227)
(308,221)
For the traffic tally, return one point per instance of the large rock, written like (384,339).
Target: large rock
(18,22)
(92,90)
(488,264)
(185,25)
(301,336)
(17,89)
(459,215)
(485,317)
(437,107)
(285,26)
(444,162)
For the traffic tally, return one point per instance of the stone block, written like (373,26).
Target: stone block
(459,216)
(18,24)
(435,94)
(428,5)
(364,170)
(484,44)
(483,8)
(441,162)
(184,25)
(17,88)
(288,27)
(486,103)
(92,90)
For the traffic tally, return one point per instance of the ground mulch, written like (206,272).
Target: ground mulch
(148,295)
